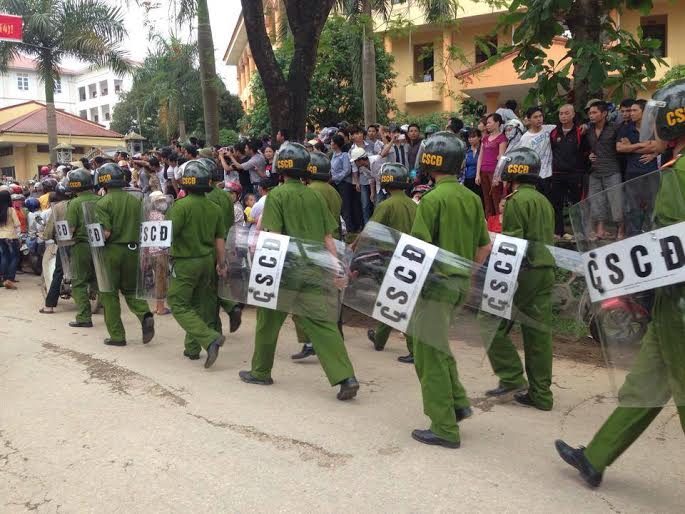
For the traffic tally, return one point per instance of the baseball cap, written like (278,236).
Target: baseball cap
(592,102)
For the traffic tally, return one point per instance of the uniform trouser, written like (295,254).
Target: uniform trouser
(533,301)
(658,374)
(83,279)
(382,334)
(193,301)
(52,297)
(436,367)
(325,337)
(120,261)
(565,187)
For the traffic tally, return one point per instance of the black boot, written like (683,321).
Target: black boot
(576,458)
(463,413)
(371,334)
(428,437)
(307,350)
(407,359)
(501,390)
(235,318)
(191,356)
(348,389)
(148,327)
(213,351)
(81,324)
(109,342)
(249,378)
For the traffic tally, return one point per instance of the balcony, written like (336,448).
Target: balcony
(422,92)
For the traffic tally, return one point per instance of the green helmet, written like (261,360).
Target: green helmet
(430,129)
(292,159)
(319,167)
(665,113)
(395,176)
(216,173)
(111,175)
(196,177)
(520,165)
(79,180)
(443,152)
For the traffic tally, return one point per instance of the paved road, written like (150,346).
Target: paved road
(88,428)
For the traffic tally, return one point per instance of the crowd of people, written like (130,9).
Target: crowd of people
(443,188)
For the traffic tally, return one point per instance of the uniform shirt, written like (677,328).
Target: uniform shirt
(398,212)
(529,215)
(220,198)
(119,213)
(668,207)
(451,217)
(332,199)
(197,223)
(75,215)
(296,210)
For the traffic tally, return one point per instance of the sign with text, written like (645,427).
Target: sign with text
(96,236)
(62,231)
(267,267)
(155,234)
(10,28)
(502,275)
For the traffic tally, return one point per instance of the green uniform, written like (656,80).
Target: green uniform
(529,215)
(660,365)
(220,199)
(295,210)
(397,212)
(81,259)
(120,213)
(451,217)
(197,224)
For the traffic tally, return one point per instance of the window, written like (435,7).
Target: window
(8,172)
(488,42)
(117,86)
(58,86)
(104,90)
(107,116)
(23,81)
(43,148)
(654,27)
(82,95)
(83,114)
(96,118)
(423,63)
(6,150)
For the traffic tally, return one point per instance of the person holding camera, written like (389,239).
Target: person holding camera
(255,165)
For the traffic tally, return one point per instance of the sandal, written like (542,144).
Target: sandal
(44,311)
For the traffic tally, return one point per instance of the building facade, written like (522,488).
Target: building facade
(430,77)
(98,92)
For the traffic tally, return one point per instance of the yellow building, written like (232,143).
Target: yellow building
(24,139)
(430,80)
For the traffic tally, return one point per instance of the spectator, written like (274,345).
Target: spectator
(190,151)
(414,144)
(369,169)
(269,158)
(373,144)
(398,151)
(471,162)
(537,138)
(358,139)
(345,182)
(255,165)
(282,136)
(230,172)
(569,164)
(493,146)
(9,229)
(605,172)
(482,122)
(455,125)
(508,112)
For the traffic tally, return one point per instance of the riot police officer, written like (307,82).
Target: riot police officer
(527,215)
(80,183)
(119,213)
(450,217)
(295,210)
(197,250)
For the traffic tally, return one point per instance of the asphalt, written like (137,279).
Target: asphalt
(90,428)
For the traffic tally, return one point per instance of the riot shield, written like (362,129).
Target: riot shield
(155,247)
(96,241)
(416,288)
(283,273)
(635,269)
(63,238)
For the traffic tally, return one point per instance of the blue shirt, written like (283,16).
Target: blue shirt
(633,164)
(341,168)
(471,163)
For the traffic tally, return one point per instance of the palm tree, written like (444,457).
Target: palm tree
(88,30)
(189,9)
(362,12)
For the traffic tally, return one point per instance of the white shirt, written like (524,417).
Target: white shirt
(541,143)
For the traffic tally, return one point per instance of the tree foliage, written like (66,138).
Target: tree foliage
(599,53)
(335,93)
(165,101)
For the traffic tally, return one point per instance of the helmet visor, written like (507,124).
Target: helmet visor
(502,164)
(649,115)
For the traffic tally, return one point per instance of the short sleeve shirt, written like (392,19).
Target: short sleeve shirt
(396,212)
(120,213)
(255,165)
(541,143)
(196,223)
(490,150)
(75,215)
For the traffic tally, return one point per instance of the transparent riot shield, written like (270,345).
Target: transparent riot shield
(283,273)
(63,238)
(417,288)
(155,247)
(96,240)
(633,254)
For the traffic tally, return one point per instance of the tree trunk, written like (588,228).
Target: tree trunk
(583,20)
(210,95)
(51,117)
(368,67)
(287,98)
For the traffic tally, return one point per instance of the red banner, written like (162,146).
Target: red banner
(10,28)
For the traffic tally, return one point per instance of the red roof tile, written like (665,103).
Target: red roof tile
(22,62)
(35,122)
